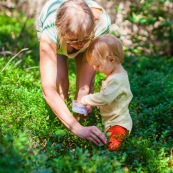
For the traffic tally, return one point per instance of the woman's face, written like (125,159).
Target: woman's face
(77,44)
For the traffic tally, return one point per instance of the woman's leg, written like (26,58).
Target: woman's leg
(84,77)
(62,77)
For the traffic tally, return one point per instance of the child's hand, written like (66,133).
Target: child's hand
(89,109)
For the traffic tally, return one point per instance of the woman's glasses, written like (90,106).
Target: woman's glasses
(78,42)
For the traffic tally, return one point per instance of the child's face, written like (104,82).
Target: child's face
(105,67)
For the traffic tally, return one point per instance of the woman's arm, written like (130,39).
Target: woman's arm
(48,70)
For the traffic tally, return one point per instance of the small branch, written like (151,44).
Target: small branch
(32,67)
(4,53)
(13,58)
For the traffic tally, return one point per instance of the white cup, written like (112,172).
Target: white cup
(79,108)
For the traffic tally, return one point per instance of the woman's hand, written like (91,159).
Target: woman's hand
(92,134)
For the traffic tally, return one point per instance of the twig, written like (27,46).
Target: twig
(18,62)
(4,53)
(32,67)
(13,58)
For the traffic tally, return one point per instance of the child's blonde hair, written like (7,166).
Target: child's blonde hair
(103,47)
(75,19)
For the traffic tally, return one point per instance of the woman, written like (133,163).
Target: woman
(65,30)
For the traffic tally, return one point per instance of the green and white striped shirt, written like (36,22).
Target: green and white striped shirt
(46,24)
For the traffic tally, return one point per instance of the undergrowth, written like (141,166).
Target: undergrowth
(34,140)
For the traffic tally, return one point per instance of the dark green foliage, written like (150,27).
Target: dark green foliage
(151,109)
(33,139)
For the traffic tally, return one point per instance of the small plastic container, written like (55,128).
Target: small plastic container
(78,108)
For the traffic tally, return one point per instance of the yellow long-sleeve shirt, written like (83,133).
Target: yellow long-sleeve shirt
(113,101)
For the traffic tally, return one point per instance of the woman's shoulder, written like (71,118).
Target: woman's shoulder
(50,9)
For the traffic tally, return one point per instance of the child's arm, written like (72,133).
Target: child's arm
(104,97)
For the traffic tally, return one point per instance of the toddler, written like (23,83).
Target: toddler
(105,54)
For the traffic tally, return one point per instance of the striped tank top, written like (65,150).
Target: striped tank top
(46,24)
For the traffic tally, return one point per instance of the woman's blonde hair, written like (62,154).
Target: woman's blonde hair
(75,19)
(103,47)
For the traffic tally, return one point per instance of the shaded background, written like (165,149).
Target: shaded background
(144,27)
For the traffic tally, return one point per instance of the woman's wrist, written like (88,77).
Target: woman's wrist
(83,91)
(76,128)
